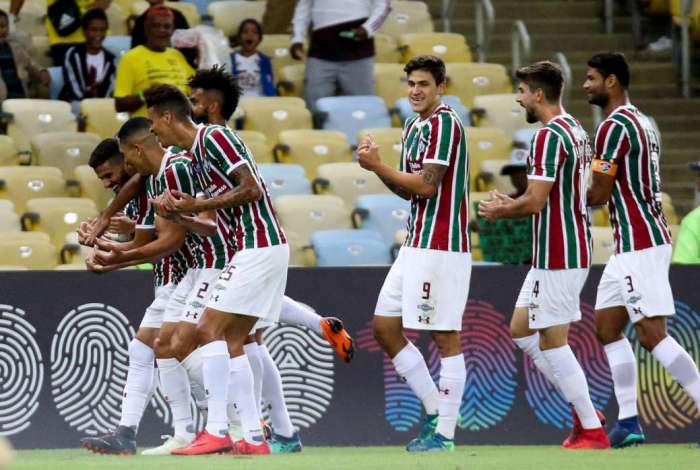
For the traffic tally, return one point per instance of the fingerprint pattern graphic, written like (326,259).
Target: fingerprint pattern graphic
(306,365)
(489,354)
(89,363)
(662,401)
(21,371)
(549,406)
(402,408)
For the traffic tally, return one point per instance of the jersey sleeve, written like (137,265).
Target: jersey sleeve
(443,131)
(146,214)
(610,141)
(226,150)
(124,82)
(545,155)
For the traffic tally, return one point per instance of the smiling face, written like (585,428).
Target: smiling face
(159,30)
(95,33)
(528,99)
(424,94)
(112,174)
(596,88)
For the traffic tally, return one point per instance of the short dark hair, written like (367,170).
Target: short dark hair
(431,63)
(252,21)
(3,14)
(612,63)
(169,98)
(132,127)
(544,75)
(92,15)
(105,151)
(218,79)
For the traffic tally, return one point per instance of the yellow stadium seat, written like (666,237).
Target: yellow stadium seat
(272,118)
(7,205)
(290,81)
(603,244)
(407,17)
(9,221)
(275,102)
(485,143)
(28,250)
(389,140)
(450,47)
(348,181)
(390,83)
(8,151)
(101,117)
(57,216)
(468,80)
(21,183)
(40,50)
(311,148)
(386,49)
(669,210)
(188,10)
(116,16)
(64,150)
(125,5)
(500,111)
(258,145)
(31,117)
(228,15)
(600,216)
(276,46)
(489,176)
(91,187)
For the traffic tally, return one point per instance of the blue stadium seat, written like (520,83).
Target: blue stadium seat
(349,248)
(454,102)
(117,45)
(56,85)
(386,214)
(351,114)
(200,4)
(284,179)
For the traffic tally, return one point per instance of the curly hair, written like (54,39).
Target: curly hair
(219,80)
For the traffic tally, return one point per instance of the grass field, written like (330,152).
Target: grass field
(666,457)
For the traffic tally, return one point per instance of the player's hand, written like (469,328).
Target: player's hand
(368,153)
(121,224)
(110,246)
(84,230)
(297,51)
(499,196)
(93,266)
(489,210)
(97,229)
(360,34)
(182,202)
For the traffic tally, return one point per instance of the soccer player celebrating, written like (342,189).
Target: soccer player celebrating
(634,286)
(556,199)
(428,284)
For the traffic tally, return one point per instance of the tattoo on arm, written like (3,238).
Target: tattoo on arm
(245,191)
(396,189)
(433,174)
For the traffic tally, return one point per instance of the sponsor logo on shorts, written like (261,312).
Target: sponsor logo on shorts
(196,304)
(634,299)
(426,310)
(219,286)
(533,305)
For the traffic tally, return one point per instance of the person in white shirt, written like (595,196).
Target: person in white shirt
(252,68)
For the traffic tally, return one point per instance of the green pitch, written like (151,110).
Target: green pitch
(676,457)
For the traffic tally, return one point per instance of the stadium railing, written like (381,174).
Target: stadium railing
(485,19)
(520,44)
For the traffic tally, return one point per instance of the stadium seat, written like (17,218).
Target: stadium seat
(389,141)
(91,186)
(390,83)
(603,244)
(486,143)
(276,47)
(384,213)
(347,181)
(57,216)
(600,216)
(489,176)
(386,49)
(407,17)
(200,4)
(116,16)
(500,111)
(8,151)
(117,45)
(40,50)
(21,183)
(281,102)
(188,10)
(27,249)
(64,150)
(311,148)
(291,80)
(469,80)
(9,221)
(273,116)
(30,117)
(350,248)
(404,108)
(350,114)
(284,179)
(56,74)
(7,205)
(450,47)
(257,143)
(225,14)
(101,117)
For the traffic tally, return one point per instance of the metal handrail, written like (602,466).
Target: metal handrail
(448,7)
(566,71)
(686,6)
(608,15)
(484,11)
(520,45)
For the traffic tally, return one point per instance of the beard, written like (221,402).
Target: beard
(530,116)
(599,99)
(201,119)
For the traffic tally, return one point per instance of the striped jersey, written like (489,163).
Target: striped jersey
(217,152)
(201,252)
(628,138)
(440,222)
(560,153)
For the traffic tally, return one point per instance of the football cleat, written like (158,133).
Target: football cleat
(206,443)
(244,447)
(285,445)
(626,432)
(590,439)
(436,442)
(336,335)
(427,429)
(121,441)
(171,443)
(577,427)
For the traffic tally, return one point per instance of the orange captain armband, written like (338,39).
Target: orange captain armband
(605,167)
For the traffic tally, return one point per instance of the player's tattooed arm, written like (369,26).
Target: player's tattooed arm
(433,174)
(396,189)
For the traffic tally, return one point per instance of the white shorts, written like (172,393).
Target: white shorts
(253,283)
(188,301)
(552,296)
(153,317)
(428,289)
(638,280)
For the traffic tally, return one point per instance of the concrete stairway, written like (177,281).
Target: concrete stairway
(575,28)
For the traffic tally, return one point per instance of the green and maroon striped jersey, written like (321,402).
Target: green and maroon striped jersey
(560,153)
(440,222)
(217,152)
(628,138)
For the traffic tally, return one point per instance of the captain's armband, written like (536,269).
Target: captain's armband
(605,167)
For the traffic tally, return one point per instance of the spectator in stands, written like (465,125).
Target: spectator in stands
(252,69)
(18,71)
(89,69)
(341,49)
(155,63)
(63,24)
(138,32)
(687,243)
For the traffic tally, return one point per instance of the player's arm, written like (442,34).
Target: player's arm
(125,194)
(611,143)
(203,224)
(504,207)
(601,189)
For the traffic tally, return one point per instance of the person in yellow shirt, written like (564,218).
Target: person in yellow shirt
(60,44)
(154,63)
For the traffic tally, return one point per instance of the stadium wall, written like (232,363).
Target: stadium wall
(63,362)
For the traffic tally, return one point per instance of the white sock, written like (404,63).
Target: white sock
(531,346)
(176,387)
(241,390)
(453,375)
(623,368)
(410,365)
(296,314)
(193,365)
(680,365)
(215,369)
(139,377)
(152,387)
(251,351)
(273,394)
(572,384)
